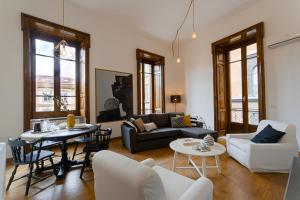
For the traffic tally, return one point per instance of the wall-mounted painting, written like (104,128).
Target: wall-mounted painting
(114,95)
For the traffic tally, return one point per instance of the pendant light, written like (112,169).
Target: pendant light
(62,49)
(194,34)
(178,60)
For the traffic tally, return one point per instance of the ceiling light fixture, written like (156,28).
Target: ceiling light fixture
(62,50)
(178,57)
(194,34)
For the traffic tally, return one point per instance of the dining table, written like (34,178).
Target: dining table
(62,136)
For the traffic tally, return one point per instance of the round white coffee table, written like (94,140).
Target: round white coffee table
(215,151)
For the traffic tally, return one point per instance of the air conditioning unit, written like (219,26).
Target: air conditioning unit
(288,40)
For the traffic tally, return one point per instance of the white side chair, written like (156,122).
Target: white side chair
(275,157)
(2,169)
(118,177)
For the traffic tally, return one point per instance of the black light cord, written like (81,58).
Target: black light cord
(183,21)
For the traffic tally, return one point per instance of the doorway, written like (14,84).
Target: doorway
(239,81)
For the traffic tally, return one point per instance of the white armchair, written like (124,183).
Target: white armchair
(275,157)
(118,177)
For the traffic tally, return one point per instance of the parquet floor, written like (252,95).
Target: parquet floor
(235,182)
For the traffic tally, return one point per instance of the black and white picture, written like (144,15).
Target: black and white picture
(114,95)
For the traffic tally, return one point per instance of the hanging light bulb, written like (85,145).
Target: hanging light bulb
(194,35)
(178,60)
(62,50)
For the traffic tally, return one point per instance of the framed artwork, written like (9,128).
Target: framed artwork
(114,95)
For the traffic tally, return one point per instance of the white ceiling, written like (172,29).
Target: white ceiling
(161,18)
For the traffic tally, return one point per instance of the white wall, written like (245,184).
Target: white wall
(282,65)
(113,45)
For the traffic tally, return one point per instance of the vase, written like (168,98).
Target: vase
(70,121)
(209,140)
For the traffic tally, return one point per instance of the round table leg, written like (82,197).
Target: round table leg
(204,166)
(174,160)
(218,164)
(189,158)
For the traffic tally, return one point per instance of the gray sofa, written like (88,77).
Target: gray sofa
(161,137)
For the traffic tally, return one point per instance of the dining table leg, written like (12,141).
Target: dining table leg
(65,163)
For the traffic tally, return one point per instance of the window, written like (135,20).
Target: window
(151,96)
(239,81)
(54,77)
(54,85)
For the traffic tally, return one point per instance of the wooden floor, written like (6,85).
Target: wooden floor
(235,182)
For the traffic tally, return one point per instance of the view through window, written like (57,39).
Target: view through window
(47,85)
(150,83)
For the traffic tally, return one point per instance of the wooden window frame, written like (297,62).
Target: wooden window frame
(145,57)
(57,86)
(229,43)
(34,27)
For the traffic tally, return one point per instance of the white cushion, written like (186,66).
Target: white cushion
(241,144)
(174,184)
(150,126)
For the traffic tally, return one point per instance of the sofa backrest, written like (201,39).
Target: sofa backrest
(161,120)
(289,129)
(119,177)
(145,118)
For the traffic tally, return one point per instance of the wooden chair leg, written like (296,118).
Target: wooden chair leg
(87,155)
(29,179)
(75,150)
(11,179)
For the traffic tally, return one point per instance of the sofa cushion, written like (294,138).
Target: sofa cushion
(268,135)
(159,133)
(177,122)
(241,144)
(161,120)
(145,118)
(174,184)
(139,123)
(196,132)
(150,126)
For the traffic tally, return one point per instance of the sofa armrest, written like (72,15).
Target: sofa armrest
(276,149)
(202,188)
(148,162)
(128,137)
(277,155)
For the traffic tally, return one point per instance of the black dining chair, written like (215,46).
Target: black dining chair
(25,153)
(101,143)
(46,145)
(86,139)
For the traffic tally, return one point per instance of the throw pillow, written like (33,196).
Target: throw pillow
(177,122)
(128,123)
(150,126)
(268,135)
(187,120)
(139,123)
